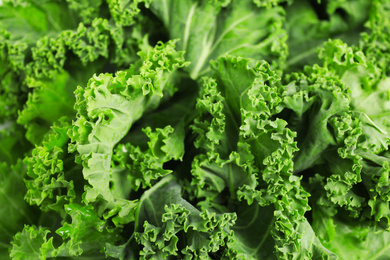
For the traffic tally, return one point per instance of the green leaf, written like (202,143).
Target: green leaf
(125,12)
(309,24)
(107,108)
(354,240)
(86,234)
(146,166)
(13,145)
(252,232)
(210,29)
(31,243)
(172,226)
(15,212)
(46,105)
(51,171)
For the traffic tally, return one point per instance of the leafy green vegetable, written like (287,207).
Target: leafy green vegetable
(211,29)
(194,129)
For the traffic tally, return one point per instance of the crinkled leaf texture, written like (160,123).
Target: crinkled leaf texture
(50,47)
(51,171)
(249,155)
(194,129)
(107,108)
(210,29)
(164,219)
(86,234)
(146,166)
